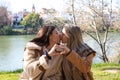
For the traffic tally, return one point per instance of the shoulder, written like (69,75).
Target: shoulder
(89,50)
(32,50)
(85,50)
(32,46)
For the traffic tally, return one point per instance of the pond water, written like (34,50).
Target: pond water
(12,49)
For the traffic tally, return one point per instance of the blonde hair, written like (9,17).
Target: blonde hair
(75,36)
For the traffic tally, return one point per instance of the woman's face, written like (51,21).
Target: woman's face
(64,36)
(55,36)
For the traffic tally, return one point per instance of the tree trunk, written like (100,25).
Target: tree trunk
(105,58)
(73,12)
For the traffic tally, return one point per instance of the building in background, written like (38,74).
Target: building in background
(33,8)
(18,17)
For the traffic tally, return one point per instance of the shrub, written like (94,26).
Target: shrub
(6,30)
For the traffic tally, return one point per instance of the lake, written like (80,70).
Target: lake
(12,49)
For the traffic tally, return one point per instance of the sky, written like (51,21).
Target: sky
(19,5)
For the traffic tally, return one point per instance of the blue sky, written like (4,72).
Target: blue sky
(19,5)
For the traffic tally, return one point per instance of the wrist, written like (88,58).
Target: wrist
(47,55)
(70,50)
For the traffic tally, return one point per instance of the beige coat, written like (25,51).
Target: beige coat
(75,66)
(35,63)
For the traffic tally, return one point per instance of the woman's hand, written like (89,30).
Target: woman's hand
(58,50)
(65,49)
(53,51)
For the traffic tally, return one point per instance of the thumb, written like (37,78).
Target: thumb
(63,52)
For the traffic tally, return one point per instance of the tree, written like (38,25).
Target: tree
(105,19)
(72,11)
(4,19)
(97,19)
(33,21)
(50,13)
(57,21)
(116,24)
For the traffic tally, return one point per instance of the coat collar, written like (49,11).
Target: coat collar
(31,45)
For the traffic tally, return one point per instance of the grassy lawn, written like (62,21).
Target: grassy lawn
(106,71)
(10,75)
(102,71)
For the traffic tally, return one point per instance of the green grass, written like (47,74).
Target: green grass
(102,71)
(97,69)
(13,75)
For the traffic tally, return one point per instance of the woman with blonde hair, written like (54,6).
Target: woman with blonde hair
(78,56)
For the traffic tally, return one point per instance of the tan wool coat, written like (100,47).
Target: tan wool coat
(75,66)
(35,65)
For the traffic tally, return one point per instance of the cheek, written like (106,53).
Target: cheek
(64,39)
(56,37)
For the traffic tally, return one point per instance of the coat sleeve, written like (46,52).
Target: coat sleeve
(82,63)
(33,66)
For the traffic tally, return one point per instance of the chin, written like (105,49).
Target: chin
(64,42)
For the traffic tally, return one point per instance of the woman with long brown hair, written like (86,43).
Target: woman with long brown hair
(40,60)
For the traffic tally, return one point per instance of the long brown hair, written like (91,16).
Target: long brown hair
(42,37)
(75,36)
